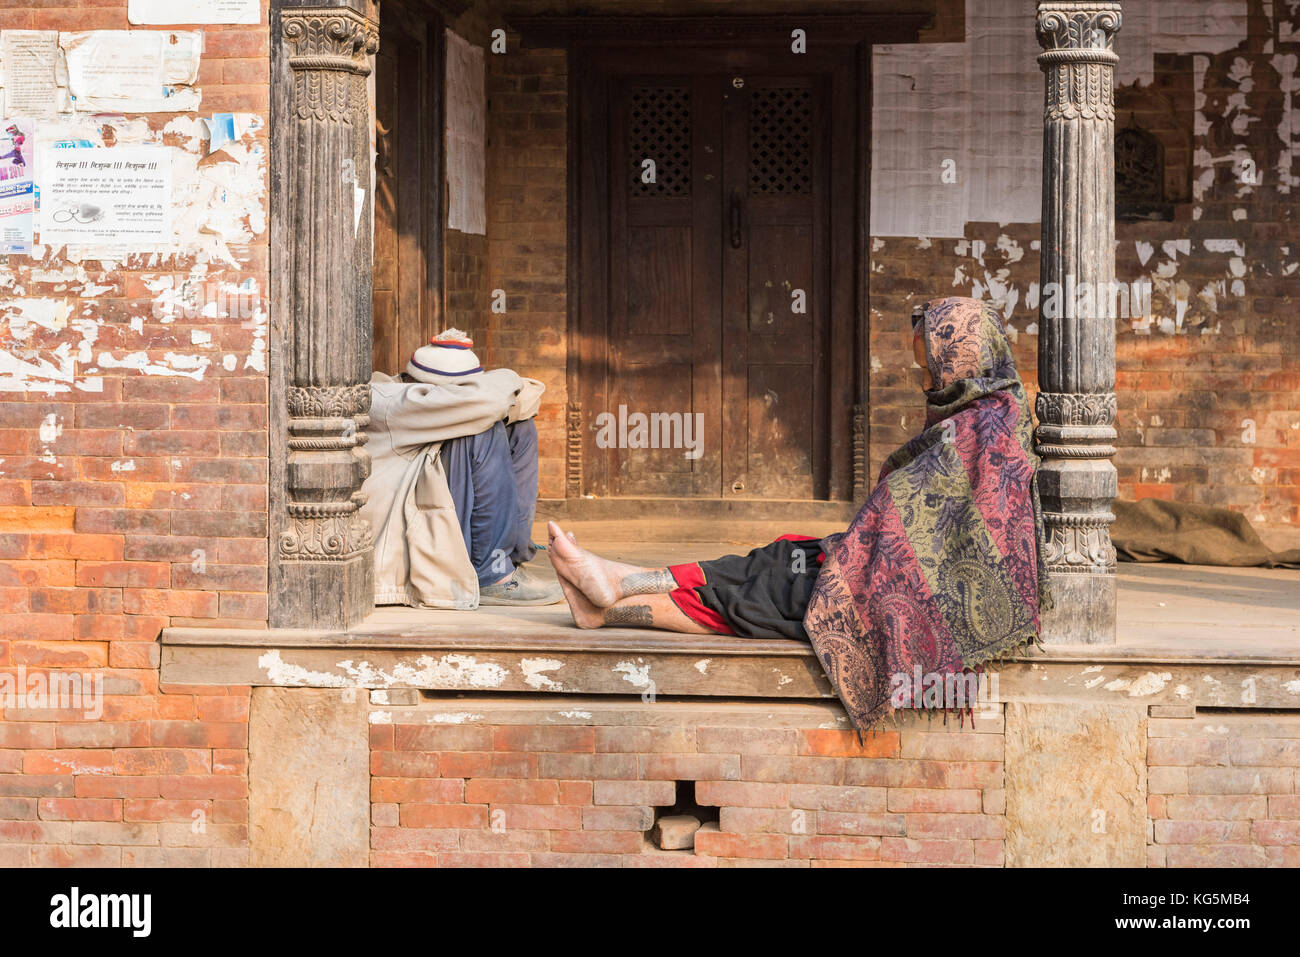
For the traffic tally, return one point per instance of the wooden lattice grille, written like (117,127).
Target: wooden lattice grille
(780,141)
(659,129)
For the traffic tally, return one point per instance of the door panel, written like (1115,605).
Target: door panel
(658,280)
(773,313)
(714,292)
(662,353)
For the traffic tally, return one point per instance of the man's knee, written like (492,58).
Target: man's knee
(523,438)
(490,444)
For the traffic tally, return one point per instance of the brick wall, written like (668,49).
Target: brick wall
(552,784)
(535,782)
(133,495)
(527,215)
(1209,383)
(1222,791)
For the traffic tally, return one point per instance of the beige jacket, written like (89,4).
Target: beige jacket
(420,555)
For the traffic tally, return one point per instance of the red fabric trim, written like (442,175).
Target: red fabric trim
(688,578)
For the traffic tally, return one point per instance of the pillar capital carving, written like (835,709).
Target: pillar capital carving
(329,38)
(326,49)
(1083,30)
(1078,58)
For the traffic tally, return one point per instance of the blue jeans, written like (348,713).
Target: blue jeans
(493,481)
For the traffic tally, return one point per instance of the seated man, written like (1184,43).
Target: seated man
(453,484)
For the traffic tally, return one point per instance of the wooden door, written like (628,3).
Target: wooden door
(775,306)
(722,298)
(664,342)
(407,274)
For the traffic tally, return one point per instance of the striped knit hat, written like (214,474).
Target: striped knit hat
(447,359)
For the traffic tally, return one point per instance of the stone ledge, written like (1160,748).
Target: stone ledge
(645,664)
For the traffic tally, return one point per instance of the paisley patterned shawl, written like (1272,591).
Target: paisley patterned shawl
(941,570)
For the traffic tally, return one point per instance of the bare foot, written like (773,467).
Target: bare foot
(585,614)
(597,578)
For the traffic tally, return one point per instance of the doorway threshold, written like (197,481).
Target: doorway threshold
(692,520)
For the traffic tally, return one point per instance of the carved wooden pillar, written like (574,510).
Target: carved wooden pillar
(1076,345)
(322,561)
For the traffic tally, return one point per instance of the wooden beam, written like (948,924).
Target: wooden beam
(550,31)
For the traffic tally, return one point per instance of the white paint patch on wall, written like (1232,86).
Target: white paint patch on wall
(1175,26)
(925,97)
(533,669)
(218,201)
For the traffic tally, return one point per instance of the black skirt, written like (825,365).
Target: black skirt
(760,595)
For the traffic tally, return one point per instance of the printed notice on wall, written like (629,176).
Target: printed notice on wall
(16,192)
(135,71)
(27,64)
(119,196)
(466,110)
(194,11)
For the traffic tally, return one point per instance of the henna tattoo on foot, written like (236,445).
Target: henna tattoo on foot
(657,582)
(630,615)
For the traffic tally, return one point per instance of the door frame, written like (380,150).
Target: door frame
(835,43)
(428,211)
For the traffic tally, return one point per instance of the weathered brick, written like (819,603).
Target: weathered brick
(934,801)
(656,793)
(639,818)
(837,847)
(443,815)
(528,738)
(717,844)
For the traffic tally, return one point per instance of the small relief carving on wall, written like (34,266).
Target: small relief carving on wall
(1140,176)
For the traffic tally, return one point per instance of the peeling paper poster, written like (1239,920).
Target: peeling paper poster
(16,188)
(465,139)
(28,59)
(135,71)
(194,11)
(118,196)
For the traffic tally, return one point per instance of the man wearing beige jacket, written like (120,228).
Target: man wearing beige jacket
(453,483)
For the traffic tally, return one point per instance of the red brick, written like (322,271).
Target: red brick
(413,839)
(504,791)
(418,791)
(75,761)
(738,740)
(829,743)
(163,761)
(844,848)
(742,794)
(541,817)
(529,738)
(442,737)
(610,818)
(443,815)
(404,764)
(927,852)
(487,764)
(954,826)
(124,574)
(80,809)
(717,844)
(936,801)
(596,842)
(203,786)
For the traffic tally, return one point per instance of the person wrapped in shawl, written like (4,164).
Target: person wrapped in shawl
(940,572)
